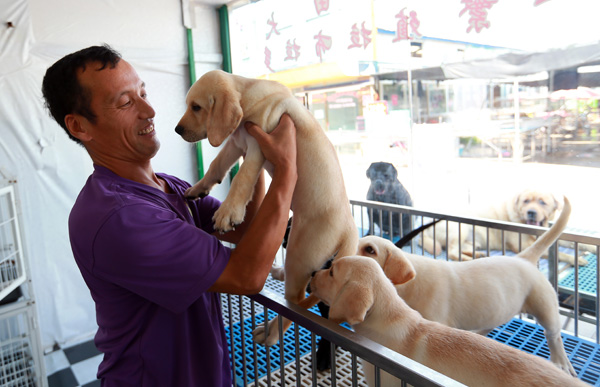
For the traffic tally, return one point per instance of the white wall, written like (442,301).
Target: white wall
(50,168)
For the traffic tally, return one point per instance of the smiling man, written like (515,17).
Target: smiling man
(150,257)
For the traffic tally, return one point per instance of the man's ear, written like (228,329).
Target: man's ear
(77,124)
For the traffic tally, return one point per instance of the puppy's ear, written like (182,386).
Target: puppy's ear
(398,268)
(224,115)
(394,171)
(516,202)
(351,304)
(558,205)
(369,171)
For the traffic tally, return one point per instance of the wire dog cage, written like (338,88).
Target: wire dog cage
(21,358)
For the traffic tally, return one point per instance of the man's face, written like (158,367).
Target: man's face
(124,125)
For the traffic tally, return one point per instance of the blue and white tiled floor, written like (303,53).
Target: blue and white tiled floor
(74,366)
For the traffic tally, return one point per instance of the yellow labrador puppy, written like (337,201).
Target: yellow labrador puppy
(532,207)
(481,294)
(358,292)
(217,106)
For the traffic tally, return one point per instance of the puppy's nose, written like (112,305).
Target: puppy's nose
(179,129)
(531,214)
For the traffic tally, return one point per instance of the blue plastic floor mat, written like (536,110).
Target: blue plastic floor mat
(528,337)
(244,349)
(523,335)
(586,276)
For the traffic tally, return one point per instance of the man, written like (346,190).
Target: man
(151,258)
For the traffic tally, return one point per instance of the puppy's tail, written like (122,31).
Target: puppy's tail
(535,251)
(413,233)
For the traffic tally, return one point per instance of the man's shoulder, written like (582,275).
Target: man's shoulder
(173,179)
(104,194)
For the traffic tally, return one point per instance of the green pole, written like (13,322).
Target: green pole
(225,41)
(192,73)
(226,50)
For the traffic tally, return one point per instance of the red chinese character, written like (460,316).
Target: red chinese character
(354,37)
(323,44)
(401,26)
(478,12)
(404,22)
(292,51)
(414,23)
(273,25)
(538,2)
(366,35)
(268,59)
(321,6)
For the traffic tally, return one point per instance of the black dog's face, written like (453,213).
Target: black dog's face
(383,176)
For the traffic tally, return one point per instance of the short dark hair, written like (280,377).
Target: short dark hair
(61,89)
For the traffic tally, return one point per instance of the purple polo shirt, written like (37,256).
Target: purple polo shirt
(148,259)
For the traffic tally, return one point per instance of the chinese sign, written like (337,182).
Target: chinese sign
(289,34)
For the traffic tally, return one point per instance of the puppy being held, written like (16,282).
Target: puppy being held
(218,104)
(386,188)
(532,207)
(481,294)
(358,292)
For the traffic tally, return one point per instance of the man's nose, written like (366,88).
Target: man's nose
(146,109)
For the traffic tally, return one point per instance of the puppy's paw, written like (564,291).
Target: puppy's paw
(568,258)
(259,336)
(278,273)
(198,190)
(566,366)
(226,218)
(463,257)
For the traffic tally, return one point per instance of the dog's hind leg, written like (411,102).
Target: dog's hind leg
(259,334)
(543,305)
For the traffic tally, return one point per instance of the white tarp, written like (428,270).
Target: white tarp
(509,65)
(50,168)
(512,65)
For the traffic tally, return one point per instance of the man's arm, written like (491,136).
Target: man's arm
(251,261)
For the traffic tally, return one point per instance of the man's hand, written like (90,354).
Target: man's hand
(278,147)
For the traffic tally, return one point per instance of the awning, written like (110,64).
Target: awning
(321,74)
(507,66)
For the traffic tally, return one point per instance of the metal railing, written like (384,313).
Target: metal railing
(292,362)
(576,244)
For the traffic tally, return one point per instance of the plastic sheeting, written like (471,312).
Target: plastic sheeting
(519,64)
(49,168)
(507,66)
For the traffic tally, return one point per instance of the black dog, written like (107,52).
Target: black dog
(385,187)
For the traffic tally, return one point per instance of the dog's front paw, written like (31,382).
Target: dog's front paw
(259,333)
(226,218)
(198,190)
(570,259)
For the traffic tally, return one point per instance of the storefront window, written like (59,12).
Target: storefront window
(461,97)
